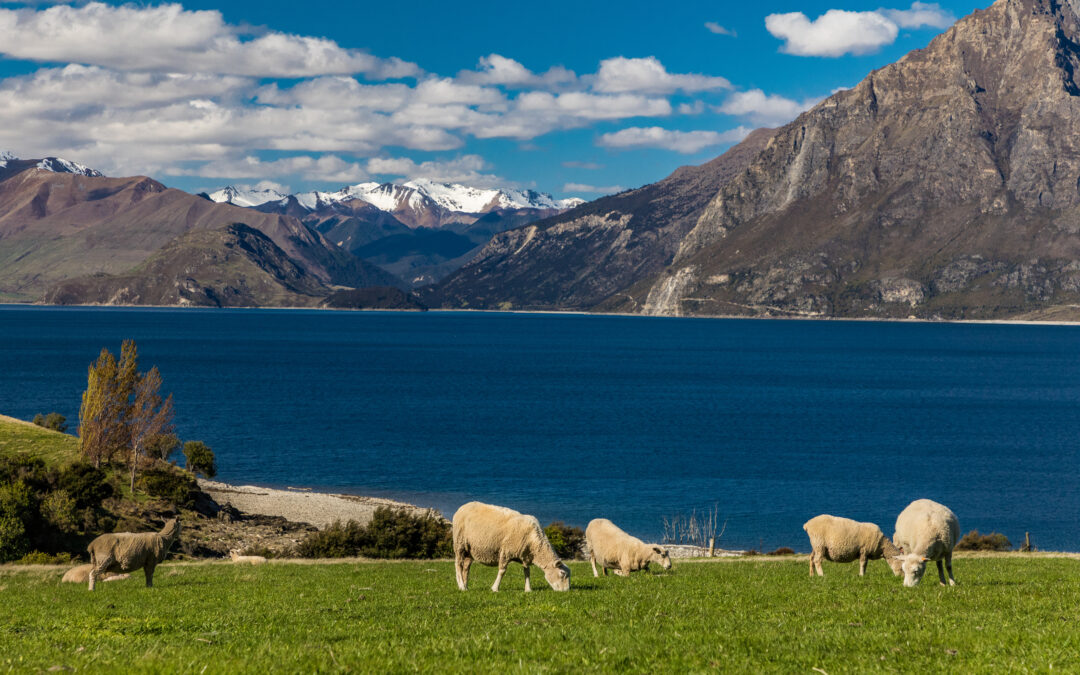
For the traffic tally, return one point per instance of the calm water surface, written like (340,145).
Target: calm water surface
(574,417)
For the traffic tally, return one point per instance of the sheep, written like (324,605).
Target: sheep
(844,540)
(80,575)
(246,559)
(128,551)
(496,535)
(617,550)
(926,531)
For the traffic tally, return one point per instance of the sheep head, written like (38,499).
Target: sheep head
(660,556)
(558,576)
(913,565)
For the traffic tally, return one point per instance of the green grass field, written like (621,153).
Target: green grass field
(19,437)
(1015,614)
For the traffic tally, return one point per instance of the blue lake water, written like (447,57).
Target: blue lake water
(574,417)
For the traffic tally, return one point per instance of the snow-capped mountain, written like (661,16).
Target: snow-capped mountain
(234,195)
(54,164)
(420,202)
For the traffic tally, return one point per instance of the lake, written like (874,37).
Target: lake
(572,417)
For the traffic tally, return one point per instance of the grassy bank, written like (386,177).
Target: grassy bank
(25,438)
(1011,613)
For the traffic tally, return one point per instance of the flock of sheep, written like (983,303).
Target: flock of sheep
(496,536)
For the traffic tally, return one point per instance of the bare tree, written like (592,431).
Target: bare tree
(149,417)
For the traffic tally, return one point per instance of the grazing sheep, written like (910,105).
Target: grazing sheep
(617,550)
(128,551)
(246,559)
(844,540)
(81,574)
(926,531)
(495,535)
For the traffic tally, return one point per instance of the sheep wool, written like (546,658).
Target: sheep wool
(246,559)
(495,535)
(926,531)
(128,551)
(81,574)
(844,540)
(615,549)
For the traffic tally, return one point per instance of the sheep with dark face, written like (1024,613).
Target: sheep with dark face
(496,535)
(122,552)
(615,549)
(926,531)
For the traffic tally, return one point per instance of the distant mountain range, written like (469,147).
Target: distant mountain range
(420,230)
(942,186)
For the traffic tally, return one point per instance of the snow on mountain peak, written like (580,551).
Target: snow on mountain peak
(61,165)
(245,197)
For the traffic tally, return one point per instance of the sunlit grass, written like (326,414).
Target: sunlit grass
(1009,614)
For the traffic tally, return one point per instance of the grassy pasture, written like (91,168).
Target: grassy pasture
(18,437)
(1008,613)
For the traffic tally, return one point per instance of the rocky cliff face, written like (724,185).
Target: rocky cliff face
(588,254)
(946,184)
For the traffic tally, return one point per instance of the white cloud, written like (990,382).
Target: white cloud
(326,168)
(686,142)
(838,32)
(695,108)
(465,169)
(769,110)
(920,15)
(717,29)
(592,189)
(648,76)
(495,69)
(171,39)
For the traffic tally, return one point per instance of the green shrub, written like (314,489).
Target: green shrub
(199,459)
(169,483)
(973,541)
(53,420)
(16,510)
(162,445)
(567,541)
(87,485)
(39,558)
(392,533)
(58,509)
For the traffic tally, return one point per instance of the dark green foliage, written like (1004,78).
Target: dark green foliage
(973,541)
(169,483)
(17,512)
(567,541)
(39,558)
(161,446)
(53,420)
(199,459)
(87,485)
(390,534)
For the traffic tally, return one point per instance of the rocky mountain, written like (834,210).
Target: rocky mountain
(235,266)
(419,231)
(582,257)
(60,226)
(10,165)
(946,185)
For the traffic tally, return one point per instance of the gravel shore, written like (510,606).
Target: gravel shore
(301,506)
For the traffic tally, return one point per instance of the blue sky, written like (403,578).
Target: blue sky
(572,98)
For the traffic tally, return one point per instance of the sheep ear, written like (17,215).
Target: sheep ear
(658,551)
(926,559)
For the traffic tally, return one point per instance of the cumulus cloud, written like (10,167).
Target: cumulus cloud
(495,69)
(648,76)
(329,168)
(592,189)
(763,109)
(717,29)
(839,32)
(686,142)
(171,39)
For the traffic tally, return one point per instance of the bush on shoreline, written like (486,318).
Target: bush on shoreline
(973,541)
(392,533)
(568,542)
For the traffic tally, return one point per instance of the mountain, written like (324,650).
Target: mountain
(430,229)
(59,226)
(946,185)
(10,165)
(235,266)
(579,258)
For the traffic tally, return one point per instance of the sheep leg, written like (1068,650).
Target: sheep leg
(605,570)
(148,571)
(817,556)
(862,564)
(592,559)
(462,567)
(498,577)
(527,586)
(100,567)
(948,564)
(812,554)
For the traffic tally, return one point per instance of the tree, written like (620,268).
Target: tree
(200,458)
(53,420)
(106,403)
(148,417)
(160,447)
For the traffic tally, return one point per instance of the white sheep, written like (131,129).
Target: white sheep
(495,535)
(81,574)
(128,551)
(844,540)
(246,559)
(619,551)
(926,531)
